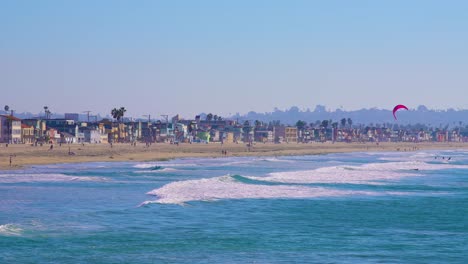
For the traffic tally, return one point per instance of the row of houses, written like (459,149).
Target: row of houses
(38,131)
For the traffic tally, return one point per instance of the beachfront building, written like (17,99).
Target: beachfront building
(215,136)
(116,132)
(203,136)
(10,129)
(286,134)
(67,138)
(227,137)
(27,134)
(247,132)
(92,136)
(180,132)
(147,132)
(138,130)
(263,136)
(39,127)
(72,116)
(59,122)
(165,132)
(53,136)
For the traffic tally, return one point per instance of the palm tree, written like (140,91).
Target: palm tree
(118,114)
(115,113)
(47,112)
(257,123)
(247,129)
(350,122)
(325,124)
(122,111)
(300,126)
(209,117)
(343,122)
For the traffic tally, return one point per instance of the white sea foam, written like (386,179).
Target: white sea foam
(226,187)
(157,171)
(372,173)
(423,156)
(10,230)
(290,183)
(16,178)
(276,160)
(146,165)
(238,162)
(152,165)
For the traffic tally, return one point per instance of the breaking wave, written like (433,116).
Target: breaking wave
(10,230)
(373,173)
(232,187)
(295,184)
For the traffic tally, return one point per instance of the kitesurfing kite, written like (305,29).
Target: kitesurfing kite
(398,107)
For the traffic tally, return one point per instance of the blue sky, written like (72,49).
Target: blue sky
(187,57)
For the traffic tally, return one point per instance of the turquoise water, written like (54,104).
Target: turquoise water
(340,208)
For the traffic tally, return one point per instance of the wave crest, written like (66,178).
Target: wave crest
(10,230)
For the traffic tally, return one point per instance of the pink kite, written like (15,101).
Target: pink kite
(398,107)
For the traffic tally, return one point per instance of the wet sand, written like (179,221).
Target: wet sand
(26,155)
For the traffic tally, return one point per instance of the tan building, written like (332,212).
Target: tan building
(228,137)
(285,134)
(291,134)
(27,134)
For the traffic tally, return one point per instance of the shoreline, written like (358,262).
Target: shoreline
(23,156)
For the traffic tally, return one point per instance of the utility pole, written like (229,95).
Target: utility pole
(167,125)
(87,113)
(149,137)
(149,118)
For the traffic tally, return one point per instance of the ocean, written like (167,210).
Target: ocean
(392,207)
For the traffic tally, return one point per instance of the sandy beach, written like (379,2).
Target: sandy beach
(26,155)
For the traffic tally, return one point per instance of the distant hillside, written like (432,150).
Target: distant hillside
(421,115)
(82,117)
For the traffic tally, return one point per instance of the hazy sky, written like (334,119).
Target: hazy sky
(168,57)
